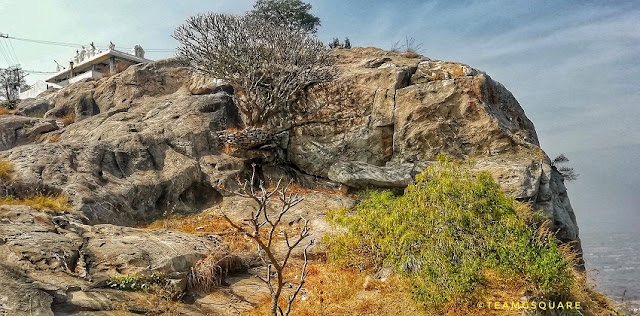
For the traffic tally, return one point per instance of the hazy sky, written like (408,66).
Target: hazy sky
(573,65)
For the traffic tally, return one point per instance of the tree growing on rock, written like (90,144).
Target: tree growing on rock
(293,14)
(269,65)
(567,172)
(263,226)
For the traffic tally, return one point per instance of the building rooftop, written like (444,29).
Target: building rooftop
(99,59)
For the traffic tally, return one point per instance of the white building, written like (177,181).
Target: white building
(88,64)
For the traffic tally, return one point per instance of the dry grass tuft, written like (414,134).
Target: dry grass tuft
(6,170)
(582,291)
(209,272)
(457,71)
(55,138)
(229,149)
(4,110)
(50,203)
(524,211)
(69,118)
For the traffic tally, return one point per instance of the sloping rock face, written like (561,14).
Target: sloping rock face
(400,109)
(135,149)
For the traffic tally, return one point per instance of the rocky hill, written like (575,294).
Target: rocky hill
(151,141)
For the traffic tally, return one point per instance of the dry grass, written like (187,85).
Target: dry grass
(332,290)
(55,138)
(69,118)
(206,223)
(49,203)
(209,272)
(6,170)
(229,149)
(4,110)
(497,288)
(410,54)
(593,302)
(457,71)
(163,300)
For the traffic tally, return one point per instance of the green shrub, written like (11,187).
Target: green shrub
(137,282)
(448,229)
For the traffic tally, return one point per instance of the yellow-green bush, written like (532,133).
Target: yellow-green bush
(444,233)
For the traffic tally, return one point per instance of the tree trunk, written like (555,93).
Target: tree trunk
(274,303)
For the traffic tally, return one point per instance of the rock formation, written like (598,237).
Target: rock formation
(151,141)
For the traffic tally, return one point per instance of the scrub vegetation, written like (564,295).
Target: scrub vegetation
(454,236)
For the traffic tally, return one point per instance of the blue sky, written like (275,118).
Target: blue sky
(573,65)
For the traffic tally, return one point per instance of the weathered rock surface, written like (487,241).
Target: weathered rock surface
(122,161)
(361,174)
(34,107)
(18,297)
(58,256)
(15,130)
(399,110)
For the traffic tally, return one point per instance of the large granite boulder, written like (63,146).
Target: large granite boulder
(390,109)
(36,107)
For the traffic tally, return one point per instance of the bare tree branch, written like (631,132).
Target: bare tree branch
(254,228)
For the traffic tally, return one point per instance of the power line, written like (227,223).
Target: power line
(13,51)
(76,45)
(7,53)
(39,72)
(7,60)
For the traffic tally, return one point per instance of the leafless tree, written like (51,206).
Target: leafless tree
(270,66)
(263,227)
